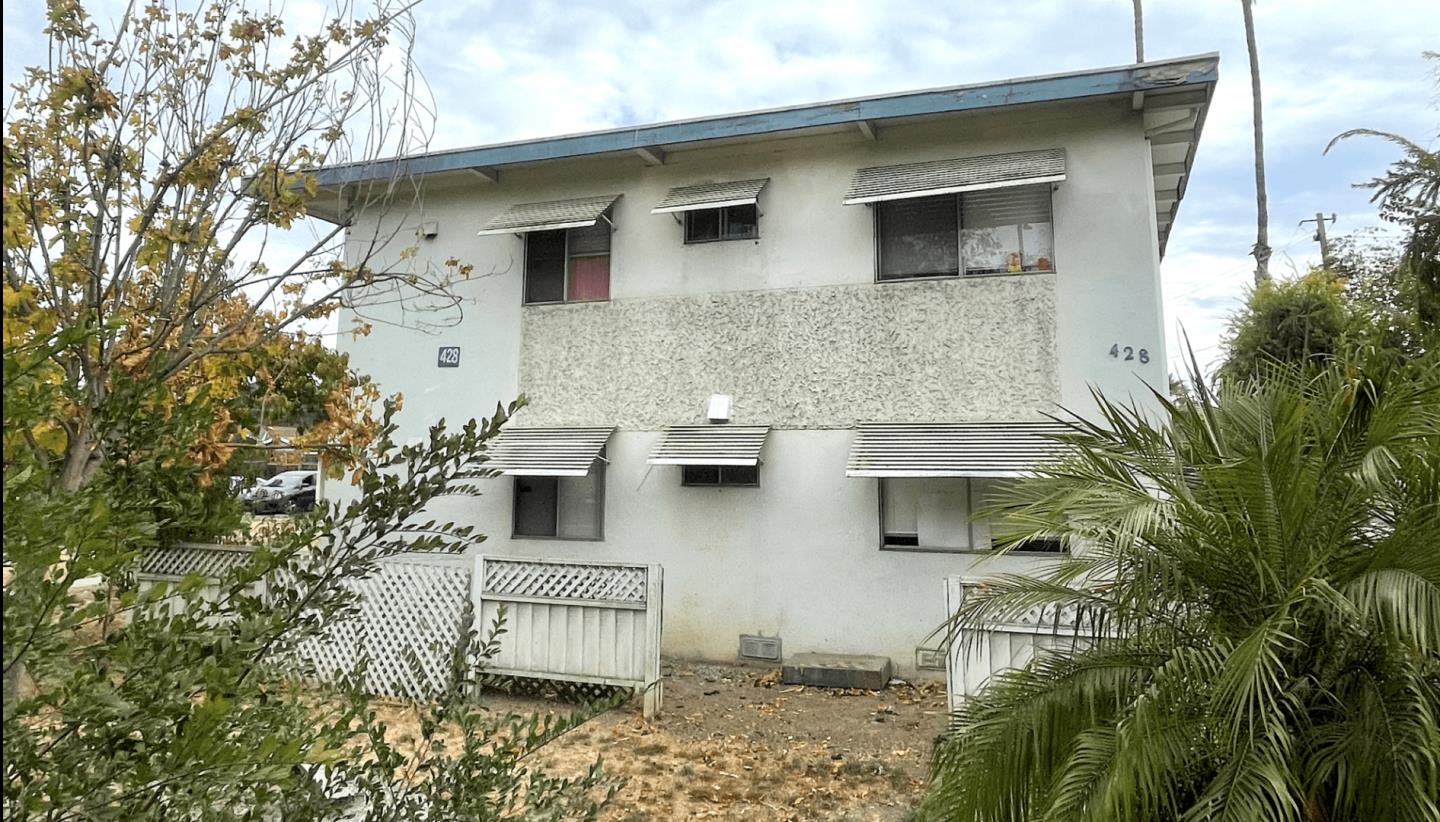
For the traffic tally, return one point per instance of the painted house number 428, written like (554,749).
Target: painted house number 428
(1126,352)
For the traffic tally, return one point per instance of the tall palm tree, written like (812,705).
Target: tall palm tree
(1261,577)
(1261,251)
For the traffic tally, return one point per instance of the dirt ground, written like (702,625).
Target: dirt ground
(732,742)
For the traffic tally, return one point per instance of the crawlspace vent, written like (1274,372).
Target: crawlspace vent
(760,647)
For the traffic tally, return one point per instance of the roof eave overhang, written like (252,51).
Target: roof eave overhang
(1159,75)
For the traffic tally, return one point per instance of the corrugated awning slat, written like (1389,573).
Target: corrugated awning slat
(710,445)
(935,177)
(549,216)
(960,449)
(546,452)
(711,195)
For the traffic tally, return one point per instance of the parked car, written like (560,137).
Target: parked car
(284,492)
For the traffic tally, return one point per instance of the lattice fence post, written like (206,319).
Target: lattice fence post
(654,598)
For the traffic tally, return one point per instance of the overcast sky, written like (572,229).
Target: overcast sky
(507,70)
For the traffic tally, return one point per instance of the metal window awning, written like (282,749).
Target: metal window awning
(935,177)
(958,449)
(710,195)
(546,452)
(710,445)
(549,216)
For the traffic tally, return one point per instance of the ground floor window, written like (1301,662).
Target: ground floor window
(925,513)
(720,475)
(936,514)
(561,507)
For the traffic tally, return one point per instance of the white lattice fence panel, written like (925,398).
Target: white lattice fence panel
(571,621)
(175,562)
(335,653)
(409,624)
(186,558)
(973,659)
(411,618)
(554,580)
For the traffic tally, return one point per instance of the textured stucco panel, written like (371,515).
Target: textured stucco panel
(804,358)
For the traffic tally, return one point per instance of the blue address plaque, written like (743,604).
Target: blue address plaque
(449,356)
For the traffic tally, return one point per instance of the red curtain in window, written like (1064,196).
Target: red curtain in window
(589,278)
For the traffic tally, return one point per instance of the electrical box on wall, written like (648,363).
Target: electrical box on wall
(427,231)
(718,410)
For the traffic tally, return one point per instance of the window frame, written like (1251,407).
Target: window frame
(877,206)
(724,221)
(565,271)
(721,481)
(600,492)
(974,548)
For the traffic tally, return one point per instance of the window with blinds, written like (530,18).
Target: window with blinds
(571,265)
(918,237)
(999,231)
(1006,230)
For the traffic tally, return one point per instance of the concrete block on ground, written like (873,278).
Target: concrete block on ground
(838,671)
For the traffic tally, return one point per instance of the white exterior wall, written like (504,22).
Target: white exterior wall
(798,556)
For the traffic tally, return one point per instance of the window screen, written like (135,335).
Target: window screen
(1007,230)
(918,237)
(594,239)
(535,499)
(545,267)
(578,501)
(742,222)
(716,475)
(705,225)
(702,225)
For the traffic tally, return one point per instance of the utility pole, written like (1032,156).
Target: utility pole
(1139,32)
(1319,221)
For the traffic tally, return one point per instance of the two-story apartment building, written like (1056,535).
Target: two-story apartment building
(887,295)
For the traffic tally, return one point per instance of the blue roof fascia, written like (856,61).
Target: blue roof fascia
(1199,69)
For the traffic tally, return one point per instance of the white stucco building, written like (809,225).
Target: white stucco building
(893,291)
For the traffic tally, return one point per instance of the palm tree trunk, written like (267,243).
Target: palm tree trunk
(1261,251)
(1139,32)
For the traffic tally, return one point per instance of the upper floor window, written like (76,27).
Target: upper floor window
(739,222)
(717,210)
(999,231)
(571,265)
